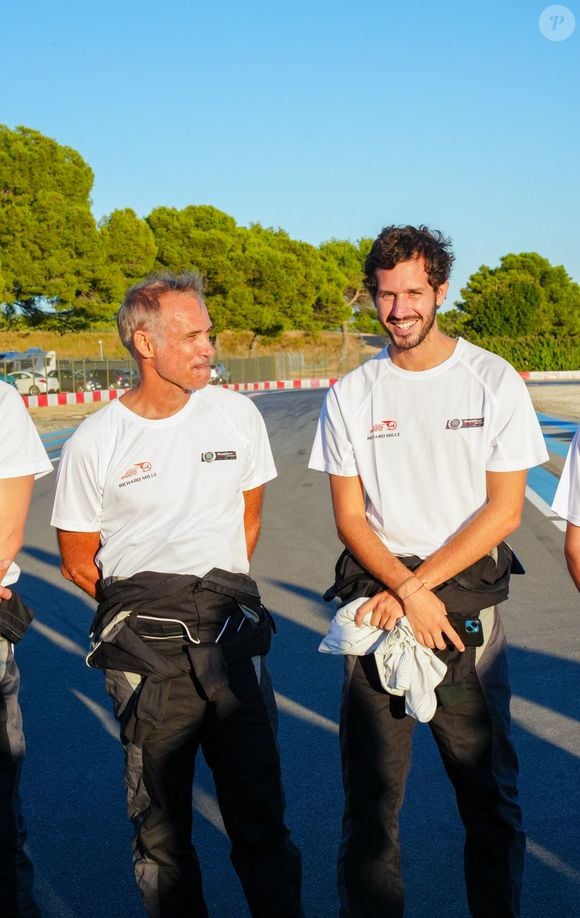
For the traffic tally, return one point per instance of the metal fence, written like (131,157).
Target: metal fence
(87,375)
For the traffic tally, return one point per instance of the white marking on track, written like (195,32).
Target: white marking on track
(541,505)
(552,860)
(104,716)
(207,806)
(311,717)
(59,639)
(547,724)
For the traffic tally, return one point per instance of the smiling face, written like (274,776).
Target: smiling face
(406,303)
(179,349)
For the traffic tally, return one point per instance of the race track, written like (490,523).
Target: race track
(79,837)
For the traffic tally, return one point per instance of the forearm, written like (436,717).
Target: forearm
(359,537)
(15,496)
(85,578)
(482,534)
(572,552)
(252,533)
(493,523)
(253,501)
(78,551)
(11,543)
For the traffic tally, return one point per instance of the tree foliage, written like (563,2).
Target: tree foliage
(48,236)
(58,269)
(525,295)
(127,254)
(256,278)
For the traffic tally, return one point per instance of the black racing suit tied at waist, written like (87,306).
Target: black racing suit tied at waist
(481,585)
(15,618)
(160,626)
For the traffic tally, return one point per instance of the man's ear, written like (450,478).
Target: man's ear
(441,294)
(142,343)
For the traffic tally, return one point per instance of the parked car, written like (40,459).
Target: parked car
(53,381)
(5,379)
(121,379)
(219,374)
(29,383)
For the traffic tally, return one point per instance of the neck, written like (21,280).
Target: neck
(155,402)
(435,349)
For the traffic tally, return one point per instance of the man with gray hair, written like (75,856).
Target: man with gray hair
(158,510)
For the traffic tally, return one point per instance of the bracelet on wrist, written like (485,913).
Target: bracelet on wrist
(408,596)
(403,582)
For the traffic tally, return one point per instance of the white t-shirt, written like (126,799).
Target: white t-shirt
(165,495)
(567,497)
(21,449)
(423,442)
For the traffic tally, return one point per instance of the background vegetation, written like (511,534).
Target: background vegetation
(62,273)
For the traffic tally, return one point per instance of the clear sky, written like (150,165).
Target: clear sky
(328,119)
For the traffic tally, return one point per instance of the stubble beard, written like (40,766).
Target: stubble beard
(409,342)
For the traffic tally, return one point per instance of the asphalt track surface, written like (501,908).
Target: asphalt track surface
(79,837)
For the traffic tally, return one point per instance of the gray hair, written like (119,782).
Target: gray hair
(141,307)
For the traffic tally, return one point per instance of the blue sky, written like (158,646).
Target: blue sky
(329,119)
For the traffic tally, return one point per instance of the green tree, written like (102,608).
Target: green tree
(345,261)
(127,254)
(48,237)
(524,295)
(256,278)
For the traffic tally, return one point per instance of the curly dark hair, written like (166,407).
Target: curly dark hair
(401,243)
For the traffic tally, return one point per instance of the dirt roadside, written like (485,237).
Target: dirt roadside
(561,401)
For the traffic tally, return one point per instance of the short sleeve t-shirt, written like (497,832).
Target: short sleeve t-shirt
(567,498)
(21,449)
(422,442)
(165,495)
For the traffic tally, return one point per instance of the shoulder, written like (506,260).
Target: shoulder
(359,382)
(238,408)
(492,370)
(97,426)
(11,402)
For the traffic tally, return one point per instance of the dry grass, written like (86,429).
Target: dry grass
(231,344)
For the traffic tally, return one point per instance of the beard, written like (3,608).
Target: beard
(408,342)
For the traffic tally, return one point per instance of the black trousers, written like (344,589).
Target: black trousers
(16,872)
(472,734)
(242,753)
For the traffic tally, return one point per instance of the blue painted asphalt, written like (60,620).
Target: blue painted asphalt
(558,435)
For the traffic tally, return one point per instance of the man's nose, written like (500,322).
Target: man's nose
(398,306)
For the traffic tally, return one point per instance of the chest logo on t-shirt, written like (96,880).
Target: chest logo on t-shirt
(137,472)
(214,455)
(459,423)
(383,429)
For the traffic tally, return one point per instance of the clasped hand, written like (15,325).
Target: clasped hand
(425,613)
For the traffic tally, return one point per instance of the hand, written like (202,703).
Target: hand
(428,619)
(386,609)
(5,593)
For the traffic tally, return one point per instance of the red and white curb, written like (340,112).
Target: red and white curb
(53,399)
(550,375)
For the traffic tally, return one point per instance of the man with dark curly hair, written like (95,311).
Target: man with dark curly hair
(427,447)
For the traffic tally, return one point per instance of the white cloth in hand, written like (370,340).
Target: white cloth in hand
(405,667)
